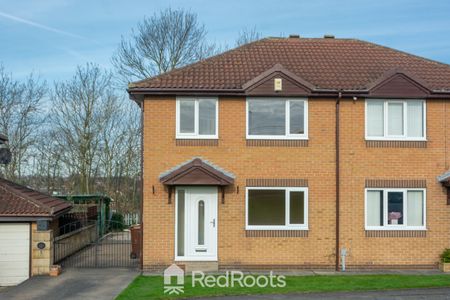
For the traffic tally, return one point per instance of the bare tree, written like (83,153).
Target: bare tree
(167,40)
(81,107)
(20,103)
(247,36)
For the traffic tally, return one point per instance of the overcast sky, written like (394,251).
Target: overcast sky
(51,37)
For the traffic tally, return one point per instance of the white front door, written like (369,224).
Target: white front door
(196,232)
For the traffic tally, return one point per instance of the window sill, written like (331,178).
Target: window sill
(196,137)
(396,228)
(396,139)
(277,233)
(277,138)
(269,228)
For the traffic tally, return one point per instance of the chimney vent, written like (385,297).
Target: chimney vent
(294,36)
(328,36)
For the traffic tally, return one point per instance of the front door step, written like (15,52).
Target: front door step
(204,266)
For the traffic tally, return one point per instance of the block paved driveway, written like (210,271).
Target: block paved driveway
(98,284)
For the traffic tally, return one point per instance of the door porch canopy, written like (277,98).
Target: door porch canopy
(444,179)
(197,172)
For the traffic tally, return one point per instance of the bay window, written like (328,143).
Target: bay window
(197,118)
(277,208)
(395,209)
(277,118)
(395,119)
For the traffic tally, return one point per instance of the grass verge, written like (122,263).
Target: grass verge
(152,287)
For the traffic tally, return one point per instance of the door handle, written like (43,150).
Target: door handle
(213,222)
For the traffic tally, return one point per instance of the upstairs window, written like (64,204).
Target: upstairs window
(395,120)
(197,118)
(275,118)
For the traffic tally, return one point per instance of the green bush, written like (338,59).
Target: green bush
(117,222)
(445,256)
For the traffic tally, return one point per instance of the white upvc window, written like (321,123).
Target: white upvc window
(197,118)
(395,209)
(277,118)
(276,208)
(395,119)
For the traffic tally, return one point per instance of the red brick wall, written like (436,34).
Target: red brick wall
(316,163)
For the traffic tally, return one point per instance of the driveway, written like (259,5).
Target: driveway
(98,284)
(409,294)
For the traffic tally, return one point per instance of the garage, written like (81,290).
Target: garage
(27,218)
(14,253)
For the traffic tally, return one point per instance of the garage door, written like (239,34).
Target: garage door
(14,253)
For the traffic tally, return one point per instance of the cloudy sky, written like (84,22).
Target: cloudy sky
(52,37)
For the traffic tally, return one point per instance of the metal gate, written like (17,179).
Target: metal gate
(94,244)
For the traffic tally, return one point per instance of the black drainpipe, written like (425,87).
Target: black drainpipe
(337,179)
(141,240)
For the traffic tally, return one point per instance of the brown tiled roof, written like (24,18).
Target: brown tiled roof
(334,64)
(19,201)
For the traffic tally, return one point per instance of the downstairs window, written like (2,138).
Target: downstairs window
(395,209)
(277,208)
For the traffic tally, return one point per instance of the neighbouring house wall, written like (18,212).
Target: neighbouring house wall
(316,163)
(70,243)
(41,260)
(360,162)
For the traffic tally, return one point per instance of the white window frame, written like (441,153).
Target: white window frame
(288,135)
(195,134)
(404,137)
(288,226)
(403,226)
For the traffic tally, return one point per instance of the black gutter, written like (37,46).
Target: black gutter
(337,145)
(240,92)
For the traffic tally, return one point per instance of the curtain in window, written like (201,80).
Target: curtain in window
(415,118)
(374,208)
(415,208)
(207,117)
(395,118)
(375,118)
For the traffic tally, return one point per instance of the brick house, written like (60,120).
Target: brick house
(281,153)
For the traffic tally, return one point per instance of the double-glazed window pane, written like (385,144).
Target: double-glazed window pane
(266,207)
(415,208)
(297,117)
(267,117)
(386,119)
(374,208)
(187,116)
(375,118)
(276,117)
(201,222)
(197,117)
(395,208)
(276,207)
(297,208)
(207,117)
(415,119)
(395,118)
(180,222)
